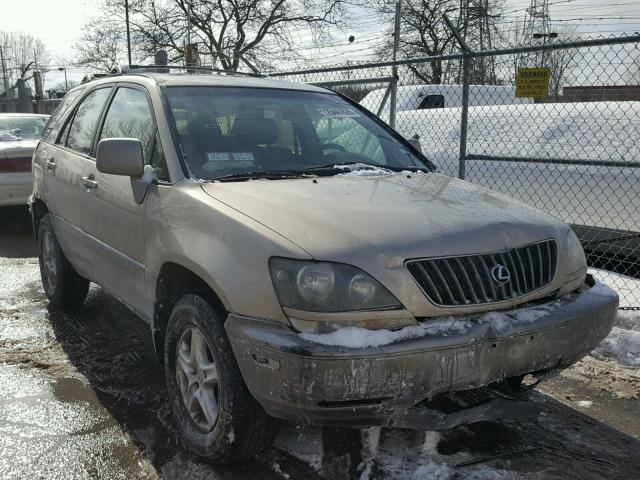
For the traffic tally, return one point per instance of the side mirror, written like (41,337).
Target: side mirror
(120,156)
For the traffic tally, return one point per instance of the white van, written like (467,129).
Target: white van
(427,97)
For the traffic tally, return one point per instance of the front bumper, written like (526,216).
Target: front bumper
(301,381)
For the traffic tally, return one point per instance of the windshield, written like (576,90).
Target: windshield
(226,132)
(22,127)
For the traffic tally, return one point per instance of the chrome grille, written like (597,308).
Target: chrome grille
(470,280)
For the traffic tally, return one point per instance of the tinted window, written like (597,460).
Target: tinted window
(224,131)
(60,114)
(85,121)
(431,101)
(129,116)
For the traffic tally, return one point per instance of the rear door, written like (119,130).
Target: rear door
(116,220)
(64,171)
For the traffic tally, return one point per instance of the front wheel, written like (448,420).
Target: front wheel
(63,286)
(217,416)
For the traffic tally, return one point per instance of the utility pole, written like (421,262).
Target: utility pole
(477,23)
(66,82)
(394,72)
(537,24)
(4,72)
(126,14)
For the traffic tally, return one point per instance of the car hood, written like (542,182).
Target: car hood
(389,218)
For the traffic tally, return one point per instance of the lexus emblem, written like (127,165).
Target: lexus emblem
(500,274)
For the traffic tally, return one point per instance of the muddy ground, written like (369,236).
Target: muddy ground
(81,396)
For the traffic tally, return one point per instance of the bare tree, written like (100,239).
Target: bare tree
(23,53)
(425,34)
(102,46)
(225,31)
(562,62)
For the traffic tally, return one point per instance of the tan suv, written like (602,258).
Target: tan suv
(296,258)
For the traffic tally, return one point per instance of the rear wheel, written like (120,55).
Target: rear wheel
(217,416)
(63,286)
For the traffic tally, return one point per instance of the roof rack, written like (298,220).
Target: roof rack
(186,69)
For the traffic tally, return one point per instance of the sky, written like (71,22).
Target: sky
(60,27)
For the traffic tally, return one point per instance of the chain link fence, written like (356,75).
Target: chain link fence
(574,152)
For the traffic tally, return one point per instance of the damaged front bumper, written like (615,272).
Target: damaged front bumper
(301,381)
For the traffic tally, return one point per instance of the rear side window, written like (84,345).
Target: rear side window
(85,121)
(431,101)
(60,114)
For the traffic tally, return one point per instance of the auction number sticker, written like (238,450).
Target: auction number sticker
(338,112)
(217,156)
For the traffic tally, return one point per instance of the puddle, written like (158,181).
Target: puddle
(73,390)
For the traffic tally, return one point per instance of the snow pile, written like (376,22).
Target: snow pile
(356,337)
(623,343)
(500,321)
(362,170)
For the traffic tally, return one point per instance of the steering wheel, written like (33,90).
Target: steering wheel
(332,146)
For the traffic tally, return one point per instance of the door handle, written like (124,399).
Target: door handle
(51,165)
(90,182)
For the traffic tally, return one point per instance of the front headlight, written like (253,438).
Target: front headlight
(575,263)
(327,287)
(320,297)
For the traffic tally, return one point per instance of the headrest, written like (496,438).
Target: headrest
(254,128)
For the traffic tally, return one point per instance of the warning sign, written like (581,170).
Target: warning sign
(533,82)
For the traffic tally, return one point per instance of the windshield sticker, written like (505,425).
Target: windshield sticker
(217,156)
(243,156)
(268,113)
(339,112)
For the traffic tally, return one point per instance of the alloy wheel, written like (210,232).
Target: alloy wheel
(197,377)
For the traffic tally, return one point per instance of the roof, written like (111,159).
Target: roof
(216,80)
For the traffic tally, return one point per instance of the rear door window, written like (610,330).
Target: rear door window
(85,121)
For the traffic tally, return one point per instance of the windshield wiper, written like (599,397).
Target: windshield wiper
(262,174)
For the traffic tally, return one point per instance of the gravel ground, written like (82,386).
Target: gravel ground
(82,397)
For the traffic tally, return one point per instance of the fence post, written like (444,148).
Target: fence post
(24,97)
(464,117)
(467,60)
(394,70)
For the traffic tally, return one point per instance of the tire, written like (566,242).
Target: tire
(239,427)
(514,383)
(63,286)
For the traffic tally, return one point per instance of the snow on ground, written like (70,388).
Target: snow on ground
(623,343)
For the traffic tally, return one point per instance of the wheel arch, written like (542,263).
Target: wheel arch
(174,281)
(38,210)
